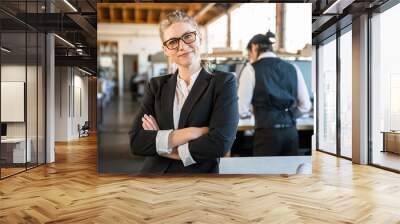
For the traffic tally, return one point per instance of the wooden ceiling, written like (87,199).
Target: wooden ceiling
(153,13)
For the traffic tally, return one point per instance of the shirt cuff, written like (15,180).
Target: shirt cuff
(184,154)
(162,142)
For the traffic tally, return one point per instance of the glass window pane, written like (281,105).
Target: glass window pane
(327,97)
(23,81)
(41,98)
(262,18)
(385,89)
(346,94)
(31,97)
(13,86)
(297,26)
(217,33)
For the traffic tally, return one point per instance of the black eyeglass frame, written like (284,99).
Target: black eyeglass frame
(180,38)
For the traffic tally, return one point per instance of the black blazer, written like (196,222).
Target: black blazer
(212,102)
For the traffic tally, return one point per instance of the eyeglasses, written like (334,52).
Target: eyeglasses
(187,38)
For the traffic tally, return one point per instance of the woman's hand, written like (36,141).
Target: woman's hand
(184,135)
(149,123)
(173,155)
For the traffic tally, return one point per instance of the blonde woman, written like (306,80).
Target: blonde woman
(187,119)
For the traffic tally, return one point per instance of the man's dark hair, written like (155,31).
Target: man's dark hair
(264,42)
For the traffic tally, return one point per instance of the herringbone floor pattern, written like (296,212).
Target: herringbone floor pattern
(71,191)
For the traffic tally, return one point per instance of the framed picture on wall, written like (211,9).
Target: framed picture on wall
(12,101)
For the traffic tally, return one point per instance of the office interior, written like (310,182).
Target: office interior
(357,113)
(355,143)
(48,80)
(130,54)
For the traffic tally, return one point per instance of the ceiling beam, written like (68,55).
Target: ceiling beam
(85,61)
(162,14)
(151,16)
(161,6)
(125,15)
(190,12)
(84,24)
(337,7)
(112,15)
(137,15)
(199,15)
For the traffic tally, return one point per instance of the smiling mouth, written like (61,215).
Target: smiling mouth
(185,54)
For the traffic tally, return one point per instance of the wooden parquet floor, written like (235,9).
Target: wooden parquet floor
(71,191)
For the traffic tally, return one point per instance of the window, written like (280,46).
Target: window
(385,85)
(346,94)
(217,33)
(297,26)
(262,18)
(22,66)
(327,96)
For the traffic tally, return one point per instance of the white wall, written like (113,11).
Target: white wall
(61,103)
(16,73)
(13,72)
(80,84)
(33,126)
(68,83)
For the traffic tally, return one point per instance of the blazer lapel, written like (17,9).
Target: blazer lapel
(196,92)
(167,100)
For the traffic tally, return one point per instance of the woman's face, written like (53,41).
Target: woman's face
(185,54)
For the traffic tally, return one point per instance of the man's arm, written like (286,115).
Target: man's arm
(304,104)
(247,83)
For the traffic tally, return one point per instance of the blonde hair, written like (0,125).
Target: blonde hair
(175,17)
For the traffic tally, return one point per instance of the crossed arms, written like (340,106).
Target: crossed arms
(203,142)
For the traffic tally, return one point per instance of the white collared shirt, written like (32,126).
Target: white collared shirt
(181,93)
(247,83)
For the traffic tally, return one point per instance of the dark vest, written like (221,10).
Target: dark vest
(275,93)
